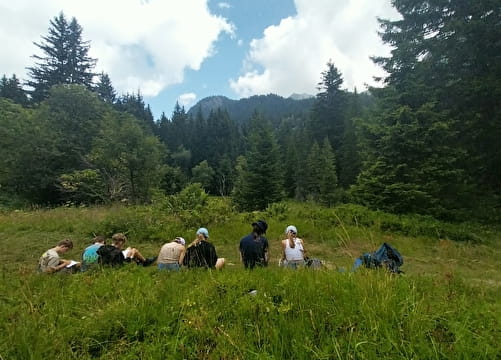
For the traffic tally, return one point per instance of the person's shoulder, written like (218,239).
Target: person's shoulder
(207,244)
(247,237)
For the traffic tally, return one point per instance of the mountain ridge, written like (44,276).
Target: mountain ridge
(271,106)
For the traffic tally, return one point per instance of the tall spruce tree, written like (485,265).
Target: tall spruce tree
(260,177)
(65,60)
(327,118)
(448,53)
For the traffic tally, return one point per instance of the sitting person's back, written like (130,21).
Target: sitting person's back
(171,255)
(90,256)
(202,253)
(114,255)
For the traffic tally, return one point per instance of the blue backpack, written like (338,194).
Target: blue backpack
(386,256)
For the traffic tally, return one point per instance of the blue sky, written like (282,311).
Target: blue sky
(185,50)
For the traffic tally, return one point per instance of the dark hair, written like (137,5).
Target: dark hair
(99,239)
(66,243)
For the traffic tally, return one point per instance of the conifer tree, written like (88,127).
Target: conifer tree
(134,104)
(443,82)
(65,59)
(327,118)
(260,181)
(12,89)
(105,90)
(313,175)
(328,181)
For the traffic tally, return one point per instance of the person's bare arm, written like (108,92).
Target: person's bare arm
(181,256)
(59,267)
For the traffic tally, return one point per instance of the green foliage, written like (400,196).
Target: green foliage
(65,60)
(203,174)
(193,207)
(130,161)
(321,177)
(28,149)
(12,89)
(105,90)
(445,54)
(411,165)
(83,187)
(260,178)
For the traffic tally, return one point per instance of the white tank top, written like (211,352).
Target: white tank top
(295,253)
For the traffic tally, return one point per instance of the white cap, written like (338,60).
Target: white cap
(291,228)
(180,240)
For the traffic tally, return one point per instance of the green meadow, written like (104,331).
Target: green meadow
(445,306)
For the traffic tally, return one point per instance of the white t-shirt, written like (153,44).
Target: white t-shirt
(295,253)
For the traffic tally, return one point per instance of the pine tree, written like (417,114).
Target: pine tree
(313,175)
(260,180)
(12,89)
(327,117)
(328,182)
(105,90)
(439,121)
(134,104)
(65,60)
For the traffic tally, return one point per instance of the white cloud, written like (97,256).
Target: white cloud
(141,44)
(187,99)
(223,5)
(290,57)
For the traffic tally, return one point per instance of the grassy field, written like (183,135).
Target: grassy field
(445,306)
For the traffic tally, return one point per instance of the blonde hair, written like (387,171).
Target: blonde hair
(119,237)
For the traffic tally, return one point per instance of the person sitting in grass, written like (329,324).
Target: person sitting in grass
(90,256)
(116,255)
(171,255)
(201,253)
(254,247)
(50,261)
(292,249)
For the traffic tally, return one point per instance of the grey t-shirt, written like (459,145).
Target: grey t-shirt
(48,260)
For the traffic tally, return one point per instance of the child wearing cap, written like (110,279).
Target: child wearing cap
(171,255)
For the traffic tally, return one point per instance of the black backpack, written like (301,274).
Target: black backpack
(110,255)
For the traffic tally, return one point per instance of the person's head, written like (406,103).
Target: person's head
(259,227)
(180,240)
(202,234)
(99,239)
(119,240)
(64,246)
(291,231)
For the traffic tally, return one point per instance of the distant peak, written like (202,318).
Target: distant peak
(301,96)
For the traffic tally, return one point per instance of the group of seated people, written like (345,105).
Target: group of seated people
(175,254)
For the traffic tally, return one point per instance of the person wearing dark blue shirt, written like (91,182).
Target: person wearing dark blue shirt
(254,247)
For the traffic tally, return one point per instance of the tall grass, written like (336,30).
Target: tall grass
(445,306)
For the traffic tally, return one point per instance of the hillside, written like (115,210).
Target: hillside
(271,106)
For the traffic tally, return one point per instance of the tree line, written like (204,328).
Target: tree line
(425,141)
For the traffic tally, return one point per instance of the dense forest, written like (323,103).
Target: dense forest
(426,141)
